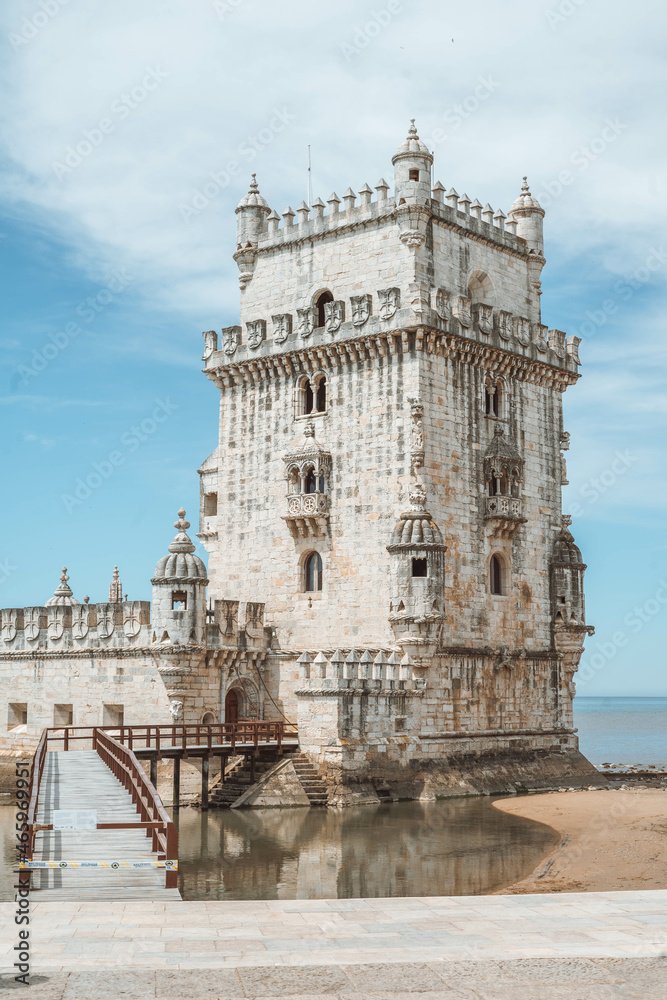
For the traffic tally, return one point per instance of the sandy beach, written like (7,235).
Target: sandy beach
(610,840)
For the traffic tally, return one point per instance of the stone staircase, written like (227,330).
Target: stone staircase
(311,782)
(238,779)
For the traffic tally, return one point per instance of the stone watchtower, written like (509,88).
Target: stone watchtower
(388,476)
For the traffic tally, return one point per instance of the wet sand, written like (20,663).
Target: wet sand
(610,840)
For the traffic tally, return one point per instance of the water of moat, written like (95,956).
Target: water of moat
(451,847)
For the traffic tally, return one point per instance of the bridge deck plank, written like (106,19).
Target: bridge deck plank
(79,779)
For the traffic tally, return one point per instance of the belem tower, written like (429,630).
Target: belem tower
(389,566)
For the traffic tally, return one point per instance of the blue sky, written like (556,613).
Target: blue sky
(114,261)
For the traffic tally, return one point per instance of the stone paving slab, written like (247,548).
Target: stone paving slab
(571,946)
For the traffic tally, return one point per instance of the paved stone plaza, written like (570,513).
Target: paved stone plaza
(575,946)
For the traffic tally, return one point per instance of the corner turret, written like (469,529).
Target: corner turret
(412,170)
(179,592)
(528,214)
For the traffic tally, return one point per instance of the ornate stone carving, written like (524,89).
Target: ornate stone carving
(556,342)
(80,621)
(256,332)
(210,344)
(540,337)
(442,303)
(334,315)
(56,625)
(9,624)
(416,433)
(522,330)
(131,619)
(176,711)
(390,301)
(413,238)
(361,309)
(483,315)
(504,324)
(231,338)
(462,309)
(105,620)
(31,623)
(282,327)
(306,321)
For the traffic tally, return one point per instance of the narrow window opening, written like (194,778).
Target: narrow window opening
(17,715)
(496,575)
(419,567)
(414,174)
(310,481)
(179,600)
(210,504)
(321,483)
(62,715)
(308,402)
(313,572)
(493,484)
(321,397)
(322,300)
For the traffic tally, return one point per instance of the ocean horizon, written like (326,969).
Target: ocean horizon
(617,729)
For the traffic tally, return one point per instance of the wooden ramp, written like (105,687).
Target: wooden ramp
(79,779)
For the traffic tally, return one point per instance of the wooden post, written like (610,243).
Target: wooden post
(223,767)
(154,771)
(204,783)
(252,768)
(177,782)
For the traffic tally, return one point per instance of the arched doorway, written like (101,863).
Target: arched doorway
(231,707)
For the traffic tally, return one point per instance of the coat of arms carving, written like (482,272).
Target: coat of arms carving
(80,621)
(361,309)
(282,327)
(131,619)
(231,338)
(462,309)
(522,330)
(334,315)
(56,626)
(442,303)
(306,321)
(390,300)
(256,332)
(105,620)
(483,317)
(504,324)
(31,624)
(9,624)
(210,344)
(539,336)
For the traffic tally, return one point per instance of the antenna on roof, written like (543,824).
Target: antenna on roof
(309,187)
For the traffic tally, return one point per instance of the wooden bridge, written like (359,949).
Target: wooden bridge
(96,826)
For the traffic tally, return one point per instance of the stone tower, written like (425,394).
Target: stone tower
(179,592)
(388,476)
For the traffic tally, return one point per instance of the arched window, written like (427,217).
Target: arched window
(309,397)
(313,572)
(493,484)
(321,395)
(320,303)
(496,575)
(311,482)
(494,398)
(312,395)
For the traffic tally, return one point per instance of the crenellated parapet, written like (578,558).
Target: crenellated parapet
(60,628)
(351,671)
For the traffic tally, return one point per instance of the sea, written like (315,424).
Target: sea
(627,731)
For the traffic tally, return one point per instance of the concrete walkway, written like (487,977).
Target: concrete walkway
(579,946)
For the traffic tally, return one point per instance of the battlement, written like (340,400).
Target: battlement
(349,671)
(59,627)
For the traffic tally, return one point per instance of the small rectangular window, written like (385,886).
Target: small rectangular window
(419,567)
(112,715)
(400,724)
(210,504)
(414,175)
(17,715)
(62,715)
(179,600)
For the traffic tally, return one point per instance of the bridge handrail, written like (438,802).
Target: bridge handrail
(179,735)
(33,797)
(122,762)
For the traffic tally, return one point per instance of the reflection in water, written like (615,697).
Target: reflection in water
(453,847)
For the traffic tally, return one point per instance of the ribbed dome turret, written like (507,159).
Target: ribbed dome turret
(253,198)
(566,551)
(416,526)
(412,146)
(181,563)
(62,595)
(525,200)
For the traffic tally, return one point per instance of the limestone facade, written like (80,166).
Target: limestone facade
(389,565)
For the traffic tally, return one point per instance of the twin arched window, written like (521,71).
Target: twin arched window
(312,395)
(494,398)
(312,572)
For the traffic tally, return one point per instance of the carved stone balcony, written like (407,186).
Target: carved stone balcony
(504,514)
(307,513)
